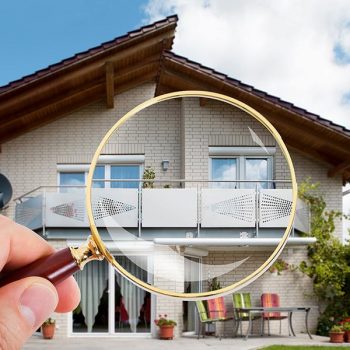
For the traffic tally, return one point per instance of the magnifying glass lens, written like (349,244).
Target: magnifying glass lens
(192,195)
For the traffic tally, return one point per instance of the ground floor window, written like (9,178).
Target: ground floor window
(109,302)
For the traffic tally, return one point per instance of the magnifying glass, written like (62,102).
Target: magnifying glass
(187,190)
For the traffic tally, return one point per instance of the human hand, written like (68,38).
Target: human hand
(27,303)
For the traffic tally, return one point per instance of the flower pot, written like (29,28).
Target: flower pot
(336,337)
(166,332)
(48,330)
(347,336)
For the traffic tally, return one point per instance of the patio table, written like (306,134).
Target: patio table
(260,310)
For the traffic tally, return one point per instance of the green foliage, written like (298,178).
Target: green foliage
(328,257)
(279,265)
(164,321)
(149,174)
(337,329)
(49,321)
(328,260)
(346,326)
(214,284)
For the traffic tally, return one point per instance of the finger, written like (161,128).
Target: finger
(69,295)
(20,245)
(24,306)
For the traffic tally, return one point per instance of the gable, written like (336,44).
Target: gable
(143,56)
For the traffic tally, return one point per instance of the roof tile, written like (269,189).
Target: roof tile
(284,104)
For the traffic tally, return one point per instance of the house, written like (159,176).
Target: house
(52,121)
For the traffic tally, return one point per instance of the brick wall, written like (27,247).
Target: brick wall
(180,131)
(31,160)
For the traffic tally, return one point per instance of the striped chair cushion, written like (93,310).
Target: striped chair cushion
(202,311)
(270,300)
(242,300)
(216,308)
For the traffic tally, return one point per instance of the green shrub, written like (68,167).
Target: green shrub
(328,261)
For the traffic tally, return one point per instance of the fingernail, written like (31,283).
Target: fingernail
(37,302)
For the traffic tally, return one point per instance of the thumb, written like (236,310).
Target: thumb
(24,306)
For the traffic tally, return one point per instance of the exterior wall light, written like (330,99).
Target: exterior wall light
(165,165)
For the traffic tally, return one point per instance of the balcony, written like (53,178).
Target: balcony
(194,206)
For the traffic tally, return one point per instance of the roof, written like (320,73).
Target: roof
(79,57)
(251,89)
(144,55)
(306,132)
(59,89)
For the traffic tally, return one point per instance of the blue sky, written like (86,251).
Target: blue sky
(37,33)
(297,50)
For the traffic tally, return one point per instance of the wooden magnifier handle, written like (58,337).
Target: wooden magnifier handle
(57,266)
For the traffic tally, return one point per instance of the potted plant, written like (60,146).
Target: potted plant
(279,266)
(336,334)
(48,328)
(214,284)
(149,174)
(166,327)
(346,328)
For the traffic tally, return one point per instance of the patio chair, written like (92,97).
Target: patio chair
(211,312)
(203,317)
(217,311)
(271,300)
(241,300)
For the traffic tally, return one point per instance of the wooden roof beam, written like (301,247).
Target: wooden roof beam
(141,68)
(339,168)
(109,85)
(65,107)
(76,71)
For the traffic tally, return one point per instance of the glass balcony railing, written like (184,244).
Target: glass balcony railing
(199,205)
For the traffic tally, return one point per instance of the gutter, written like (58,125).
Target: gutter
(292,241)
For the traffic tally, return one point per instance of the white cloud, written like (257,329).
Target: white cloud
(284,47)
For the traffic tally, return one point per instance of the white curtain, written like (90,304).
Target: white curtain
(92,282)
(133,296)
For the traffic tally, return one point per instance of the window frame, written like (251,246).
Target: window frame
(212,184)
(237,153)
(130,160)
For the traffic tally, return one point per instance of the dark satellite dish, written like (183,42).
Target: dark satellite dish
(5,191)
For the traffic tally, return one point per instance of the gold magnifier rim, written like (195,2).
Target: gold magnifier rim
(201,295)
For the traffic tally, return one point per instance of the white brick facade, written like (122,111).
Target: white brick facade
(180,131)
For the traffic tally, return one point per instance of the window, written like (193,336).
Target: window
(125,172)
(224,169)
(76,175)
(256,169)
(71,179)
(237,166)
(99,173)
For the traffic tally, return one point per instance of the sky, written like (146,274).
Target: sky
(297,50)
